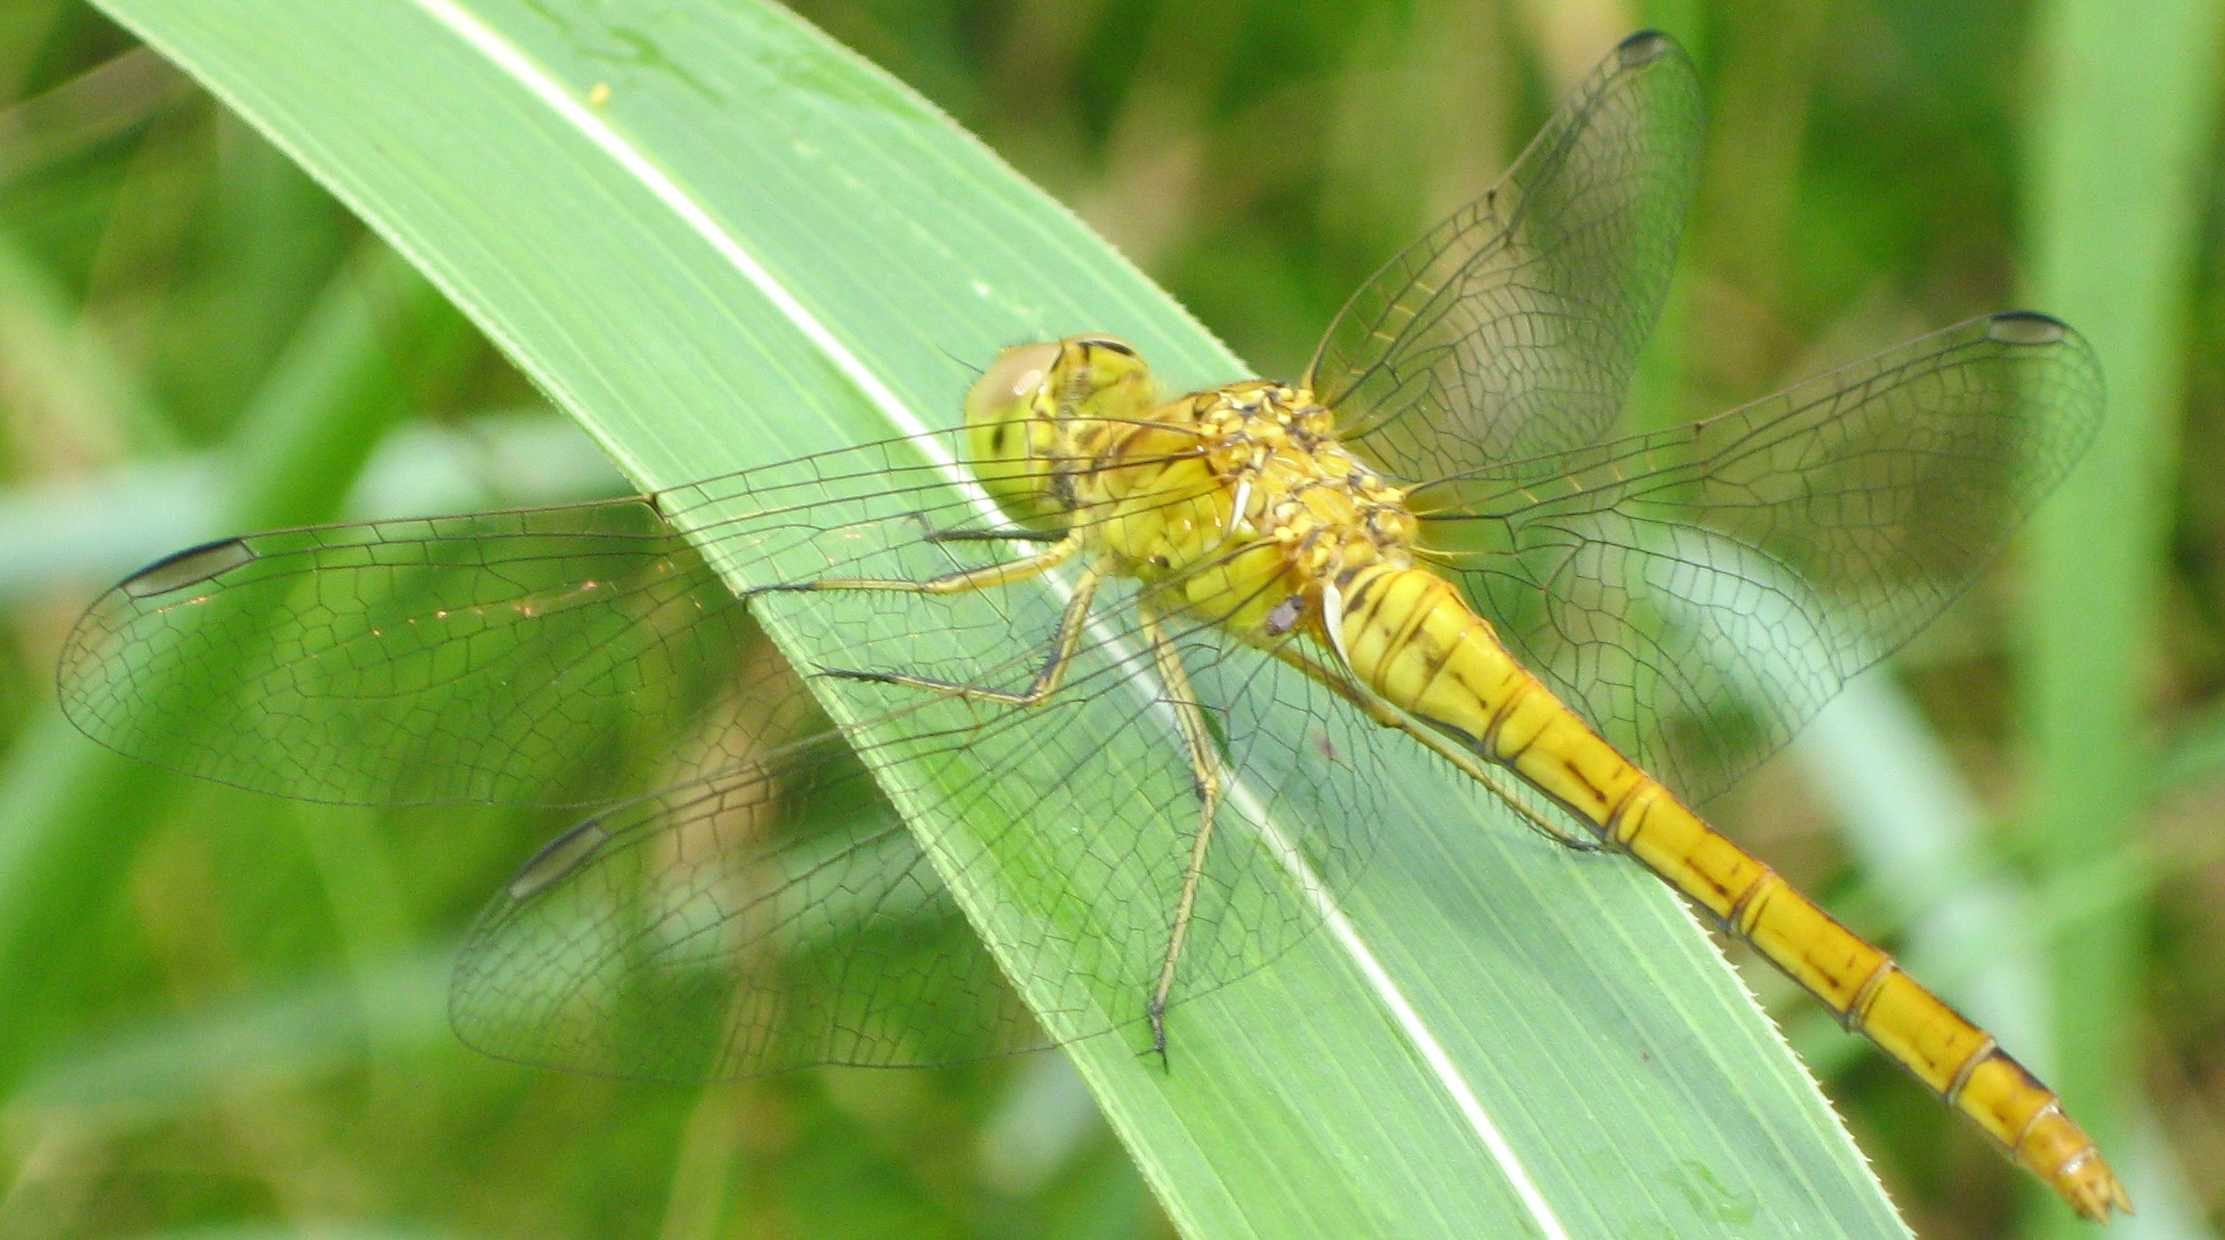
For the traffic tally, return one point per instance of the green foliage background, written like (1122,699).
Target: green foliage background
(242,1025)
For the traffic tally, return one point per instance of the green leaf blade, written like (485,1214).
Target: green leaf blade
(757,247)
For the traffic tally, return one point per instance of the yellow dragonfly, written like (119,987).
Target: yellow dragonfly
(1145,603)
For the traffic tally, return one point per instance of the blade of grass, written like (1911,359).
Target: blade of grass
(756,244)
(2116,130)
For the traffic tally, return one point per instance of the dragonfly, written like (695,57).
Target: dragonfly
(1089,617)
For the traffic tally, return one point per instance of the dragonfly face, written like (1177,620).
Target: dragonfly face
(1041,409)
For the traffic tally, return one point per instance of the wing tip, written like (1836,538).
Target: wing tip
(2027,327)
(2077,369)
(190,567)
(1645,47)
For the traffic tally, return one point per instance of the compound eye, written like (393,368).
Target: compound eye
(1111,344)
(1012,378)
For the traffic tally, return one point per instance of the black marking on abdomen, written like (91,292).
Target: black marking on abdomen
(1576,772)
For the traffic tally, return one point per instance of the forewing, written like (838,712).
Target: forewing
(468,658)
(1511,329)
(1698,594)
(558,655)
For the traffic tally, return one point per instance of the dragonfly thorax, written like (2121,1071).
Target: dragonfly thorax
(1242,499)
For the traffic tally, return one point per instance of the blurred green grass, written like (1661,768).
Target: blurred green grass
(246,1026)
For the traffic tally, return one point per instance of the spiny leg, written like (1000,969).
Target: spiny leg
(1462,760)
(964,581)
(1002,533)
(1205,771)
(1047,678)
(968,581)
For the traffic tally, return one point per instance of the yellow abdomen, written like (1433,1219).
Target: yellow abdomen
(1410,638)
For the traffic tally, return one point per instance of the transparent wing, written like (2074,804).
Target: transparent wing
(1511,329)
(782,915)
(1700,593)
(774,916)
(514,657)
(469,658)
(766,909)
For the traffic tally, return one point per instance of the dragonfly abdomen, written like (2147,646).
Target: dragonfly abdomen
(1411,638)
(1872,995)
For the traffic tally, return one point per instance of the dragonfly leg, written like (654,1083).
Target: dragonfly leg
(1463,760)
(1002,533)
(1197,740)
(1047,678)
(964,581)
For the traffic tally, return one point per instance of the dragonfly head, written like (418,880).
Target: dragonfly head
(1041,409)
